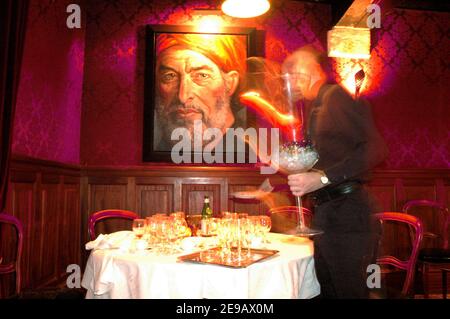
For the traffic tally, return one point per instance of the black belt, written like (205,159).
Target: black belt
(331,192)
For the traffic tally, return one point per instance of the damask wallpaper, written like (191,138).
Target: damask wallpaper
(407,75)
(48,113)
(113,92)
(406,78)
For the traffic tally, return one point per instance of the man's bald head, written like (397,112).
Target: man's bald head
(309,64)
(308,52)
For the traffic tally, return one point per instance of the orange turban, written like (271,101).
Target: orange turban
(228,52)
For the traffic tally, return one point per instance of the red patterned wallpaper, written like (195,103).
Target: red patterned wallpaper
(113,102)
(47,122)
(407,75)
(407,81)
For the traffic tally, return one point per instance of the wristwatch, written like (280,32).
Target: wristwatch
(324,179)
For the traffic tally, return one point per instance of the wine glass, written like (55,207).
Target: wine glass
(256,231)
(164,233)
(180,229)
(222,236)
(247,234)
(278,98)
(235,237)
(266,223)
(139,226)
(152,227)
(179,224)
(297,154)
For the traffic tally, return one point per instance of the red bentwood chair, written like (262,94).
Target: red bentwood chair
(409,265)
(14,265)
(108,213)
(435,250)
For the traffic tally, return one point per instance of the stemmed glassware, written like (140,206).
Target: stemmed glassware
(266,223)
(226,235)
(279,99)
(152,230)
(139,229)
(297,154)
(139,226)
(165,233)
(180,229)
(233,236)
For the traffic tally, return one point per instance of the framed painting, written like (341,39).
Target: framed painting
(192,82)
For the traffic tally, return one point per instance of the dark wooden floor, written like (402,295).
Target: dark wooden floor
(53,293)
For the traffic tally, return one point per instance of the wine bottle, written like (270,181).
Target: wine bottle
(206,215)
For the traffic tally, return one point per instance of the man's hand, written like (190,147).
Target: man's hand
(305,183)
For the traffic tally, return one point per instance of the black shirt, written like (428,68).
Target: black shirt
(344,134)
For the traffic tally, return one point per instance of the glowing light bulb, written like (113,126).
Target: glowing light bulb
(245,9)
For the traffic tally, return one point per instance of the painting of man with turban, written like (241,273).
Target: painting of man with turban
(197,78)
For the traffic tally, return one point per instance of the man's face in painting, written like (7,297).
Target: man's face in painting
(191,87)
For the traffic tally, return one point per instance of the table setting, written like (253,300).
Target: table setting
(240,258)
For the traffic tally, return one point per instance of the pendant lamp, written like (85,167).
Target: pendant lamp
(245,8)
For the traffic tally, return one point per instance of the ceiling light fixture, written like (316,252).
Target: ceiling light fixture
(245,9)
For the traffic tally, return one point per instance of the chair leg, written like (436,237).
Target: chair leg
(444,283)
(425,280)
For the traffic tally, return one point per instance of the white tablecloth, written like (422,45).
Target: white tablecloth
(290,274)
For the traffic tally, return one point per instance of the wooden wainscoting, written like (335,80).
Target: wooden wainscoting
(162,189)
(152,189)
(45,197)
(54,201)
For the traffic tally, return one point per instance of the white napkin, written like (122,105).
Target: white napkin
(192,243)
(120,239)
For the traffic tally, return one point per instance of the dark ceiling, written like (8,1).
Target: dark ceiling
(338,7)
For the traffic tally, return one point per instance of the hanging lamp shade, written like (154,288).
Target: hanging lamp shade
(245,8)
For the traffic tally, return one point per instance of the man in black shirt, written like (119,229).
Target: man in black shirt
(348,144)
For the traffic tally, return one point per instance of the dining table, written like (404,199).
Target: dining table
(113,273)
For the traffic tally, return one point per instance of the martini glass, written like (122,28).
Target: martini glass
(297,155)
(278,98)
(297,158)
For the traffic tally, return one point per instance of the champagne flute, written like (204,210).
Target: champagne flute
(222,236)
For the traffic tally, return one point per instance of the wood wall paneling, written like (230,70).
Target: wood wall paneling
(249,206)
(193,197)
(69,229)
(45,236)
(107,196)
(54,202)
(384,197)
(45,197)
(418,190)
(152,199)
(23,207)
